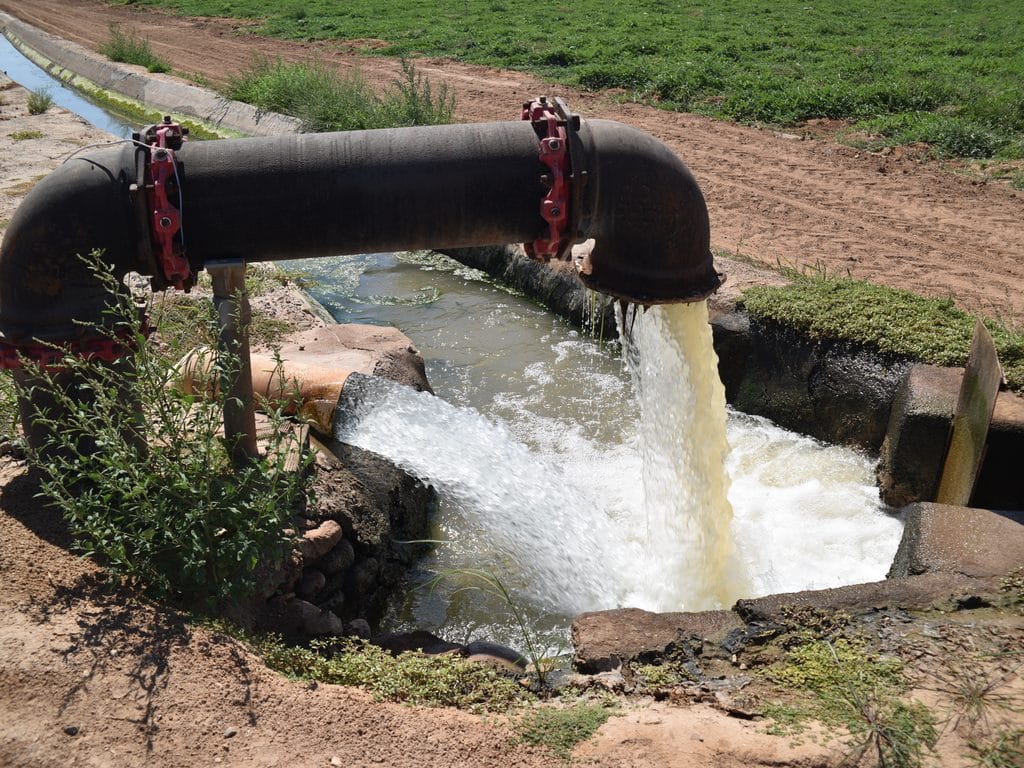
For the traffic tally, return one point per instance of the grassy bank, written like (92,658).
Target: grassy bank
(890,320)
(913,70)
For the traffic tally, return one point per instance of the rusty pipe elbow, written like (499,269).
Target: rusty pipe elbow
(647,216)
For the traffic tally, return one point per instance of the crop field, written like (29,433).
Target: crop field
(947,72)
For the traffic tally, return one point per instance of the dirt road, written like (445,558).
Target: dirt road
(772,196)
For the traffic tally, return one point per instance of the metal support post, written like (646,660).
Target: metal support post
(232,306)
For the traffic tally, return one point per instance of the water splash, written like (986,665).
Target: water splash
(683,447)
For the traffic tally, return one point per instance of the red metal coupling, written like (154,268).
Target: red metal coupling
(105,348)
(165,217)
(554,124)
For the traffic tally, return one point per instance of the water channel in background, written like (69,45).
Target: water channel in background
(26,74)
(534,444)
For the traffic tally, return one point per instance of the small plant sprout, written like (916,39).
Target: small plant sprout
(488,583)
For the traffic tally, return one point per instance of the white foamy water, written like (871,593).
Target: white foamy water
(574,523)
(541,472)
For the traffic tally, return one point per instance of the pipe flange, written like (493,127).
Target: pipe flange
(555,125)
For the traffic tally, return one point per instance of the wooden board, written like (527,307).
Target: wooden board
(971,421)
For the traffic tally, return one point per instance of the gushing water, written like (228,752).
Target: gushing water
(683,448)
(543,466)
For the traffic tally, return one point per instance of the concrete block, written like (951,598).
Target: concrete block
(973,542)
(915,442)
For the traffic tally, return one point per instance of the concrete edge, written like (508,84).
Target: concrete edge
(139,90)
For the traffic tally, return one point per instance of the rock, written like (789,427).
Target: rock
(311,583)
(336,761)
(378,506)
(362,578)
(961,540)
(318,542)
(913,592)
(605,640)
(417,640)
(369,349)
(485,649)
(358,628)
(71,730)
(338,559)
(230,732)
(295,617)
(611,680)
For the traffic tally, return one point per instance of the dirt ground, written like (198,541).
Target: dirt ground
(773,196)
(90,678)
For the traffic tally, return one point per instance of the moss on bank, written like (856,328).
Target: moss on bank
(890,320)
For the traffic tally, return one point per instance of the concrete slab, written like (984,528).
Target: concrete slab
(938,538)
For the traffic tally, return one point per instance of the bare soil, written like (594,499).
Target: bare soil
(774,197)
(93,677)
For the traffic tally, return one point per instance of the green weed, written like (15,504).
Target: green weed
(845,685)
(129,48)
(890,320)
(144,479)
(9,421)
(979,695)
(1005,750)
(487,582)
(26,135)
(39,101)
(325,100)
(412,678)
(561,729)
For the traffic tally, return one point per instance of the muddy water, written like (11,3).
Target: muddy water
(542,461)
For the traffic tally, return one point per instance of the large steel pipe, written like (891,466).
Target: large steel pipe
(356,192)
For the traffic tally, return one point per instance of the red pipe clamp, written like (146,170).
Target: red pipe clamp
(553,123)
(163,139)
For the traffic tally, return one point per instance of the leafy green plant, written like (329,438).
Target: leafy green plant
(560,729)
(26,135)
(413,678)
(325,100)
(144,478)
(129,48)
(39,101)
(888,319)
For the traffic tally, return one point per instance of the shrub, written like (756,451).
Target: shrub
(129,48)
(325,100)
(39,101)
(146,482)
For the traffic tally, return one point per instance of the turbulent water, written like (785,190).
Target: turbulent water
(647,522)
(578,482)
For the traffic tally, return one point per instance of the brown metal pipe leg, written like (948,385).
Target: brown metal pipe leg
(235,316)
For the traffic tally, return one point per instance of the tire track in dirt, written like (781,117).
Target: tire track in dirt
(806,203)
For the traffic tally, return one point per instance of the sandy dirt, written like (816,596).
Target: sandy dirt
(92,678)
(773,196)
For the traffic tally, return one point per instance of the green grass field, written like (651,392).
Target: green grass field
(948,72)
